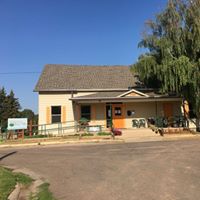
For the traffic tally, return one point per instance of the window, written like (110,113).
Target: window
(118,111)
(86,112)
(56,114)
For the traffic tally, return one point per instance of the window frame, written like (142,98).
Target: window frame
(85,115)
(54,115)
(118,111)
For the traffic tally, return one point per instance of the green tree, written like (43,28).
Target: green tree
(28,113)
(9,107)
(13,105)
(2,107)
(172,62)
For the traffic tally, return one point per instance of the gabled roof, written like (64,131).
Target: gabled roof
(121,95)
(85,77)
(133,92)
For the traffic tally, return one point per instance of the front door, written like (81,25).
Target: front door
(168,109)
(118,115)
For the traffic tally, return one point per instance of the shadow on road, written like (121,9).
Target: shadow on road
(9,154)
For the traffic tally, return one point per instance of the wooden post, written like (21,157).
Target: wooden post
(23,134)
(30,128)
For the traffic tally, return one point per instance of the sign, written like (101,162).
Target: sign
(17,123)
(94,128)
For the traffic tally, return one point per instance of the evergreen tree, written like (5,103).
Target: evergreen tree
(2,106)
(9,107)
(2,99)
(13,105)
(173,58)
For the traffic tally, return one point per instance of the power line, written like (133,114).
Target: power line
(15,73)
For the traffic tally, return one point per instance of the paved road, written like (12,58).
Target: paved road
(134,171)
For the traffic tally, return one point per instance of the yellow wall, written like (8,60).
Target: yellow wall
(57,99)
(142,110)
(147,110)
(100,114)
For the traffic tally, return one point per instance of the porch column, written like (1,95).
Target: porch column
(78,114)
(93,112)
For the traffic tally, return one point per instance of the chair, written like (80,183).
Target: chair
(142,123)
(135,123)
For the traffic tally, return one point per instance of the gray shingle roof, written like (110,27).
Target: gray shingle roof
(101,94)
(97,98)
(75,77)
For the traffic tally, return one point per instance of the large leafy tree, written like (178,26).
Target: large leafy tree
(30,115)
(172,62)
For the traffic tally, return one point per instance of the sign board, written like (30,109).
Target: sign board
(17,123)
(94,128)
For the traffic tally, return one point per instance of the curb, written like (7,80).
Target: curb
(19,192)
(14,195)
(178,137)
(166,137)
(64,142)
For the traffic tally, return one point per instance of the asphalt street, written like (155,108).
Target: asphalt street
(132,171)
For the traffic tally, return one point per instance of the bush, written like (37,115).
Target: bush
(83,122)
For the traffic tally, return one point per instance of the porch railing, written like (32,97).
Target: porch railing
(55,129)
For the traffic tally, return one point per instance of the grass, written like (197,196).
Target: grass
(91,134)
(84,134)
(8,180)
(35,136)
(103,133)
(43,194)
(23,179)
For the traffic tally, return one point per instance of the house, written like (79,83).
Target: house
(102,94)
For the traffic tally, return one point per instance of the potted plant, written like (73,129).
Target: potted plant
(83,123)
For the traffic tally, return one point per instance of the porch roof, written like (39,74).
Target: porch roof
(120,97)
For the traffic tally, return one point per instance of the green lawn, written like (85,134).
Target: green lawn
(43,193)
(8,180)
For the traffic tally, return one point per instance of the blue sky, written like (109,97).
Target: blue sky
(38,32)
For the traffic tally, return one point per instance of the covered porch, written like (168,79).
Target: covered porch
(108,109)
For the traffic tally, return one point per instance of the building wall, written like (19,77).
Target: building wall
(100,114)
(57,99)
(142,110)
(147,110)
(46,100)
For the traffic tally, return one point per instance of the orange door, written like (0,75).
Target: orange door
(118,115)
(168,109)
